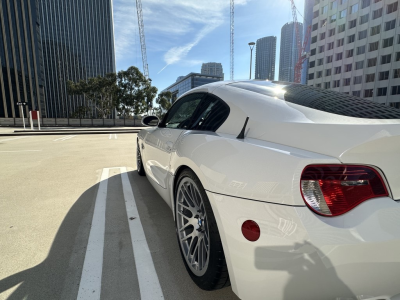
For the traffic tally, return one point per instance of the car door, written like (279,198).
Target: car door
(160,142)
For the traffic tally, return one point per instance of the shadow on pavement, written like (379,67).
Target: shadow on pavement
(308,272)
(46,280)
(58,276)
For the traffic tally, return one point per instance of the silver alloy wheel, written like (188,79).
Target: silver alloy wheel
(192,226)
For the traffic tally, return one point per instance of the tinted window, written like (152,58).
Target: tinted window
(180,114)
(210,115)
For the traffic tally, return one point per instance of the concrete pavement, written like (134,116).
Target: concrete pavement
(50,188)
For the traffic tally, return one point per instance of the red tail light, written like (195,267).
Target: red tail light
(332,190)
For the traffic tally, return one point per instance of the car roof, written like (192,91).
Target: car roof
(320,100)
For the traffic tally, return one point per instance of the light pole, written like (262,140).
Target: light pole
(251,45)
(20,104)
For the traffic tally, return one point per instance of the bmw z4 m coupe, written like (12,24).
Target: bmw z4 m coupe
(281,190)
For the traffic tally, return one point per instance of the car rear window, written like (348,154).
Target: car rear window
(324,100)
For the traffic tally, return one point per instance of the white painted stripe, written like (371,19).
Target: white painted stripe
(64,138)
(61,138)
(149,284)
(115,136)
(21,151)
(109,137)
(90,285)
(17,138)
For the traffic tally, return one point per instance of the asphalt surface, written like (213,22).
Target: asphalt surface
(60,224)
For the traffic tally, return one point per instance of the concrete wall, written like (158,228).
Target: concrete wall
(72,122)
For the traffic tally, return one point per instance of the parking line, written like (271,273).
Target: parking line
(64,138)
(111,136)
(17,138)
(90,285)
(115,136)
(149,284)
(20,151)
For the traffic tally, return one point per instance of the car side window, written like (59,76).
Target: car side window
(210,115)
(180,114)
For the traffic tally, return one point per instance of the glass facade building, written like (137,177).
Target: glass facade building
(77,43)
(189,82)
(20,76)
(265,58)
(289,53)
(308,17)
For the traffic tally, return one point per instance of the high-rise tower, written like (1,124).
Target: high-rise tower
(308,17)
(212,68)
(265,58)
(20,76)
(289,52)
(78,43)
(355,49)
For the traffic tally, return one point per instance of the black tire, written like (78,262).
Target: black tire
(139,162)
(215,271)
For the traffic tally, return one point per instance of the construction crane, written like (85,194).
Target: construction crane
(232,35)
(142,38)
(302,56)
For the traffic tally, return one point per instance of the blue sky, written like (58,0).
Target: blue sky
(182,34)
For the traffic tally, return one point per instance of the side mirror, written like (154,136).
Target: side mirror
(150,121)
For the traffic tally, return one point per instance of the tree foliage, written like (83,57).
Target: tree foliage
(164,101)
(132,87)
(129,92)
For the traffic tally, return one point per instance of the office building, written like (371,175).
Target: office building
(308,17)
(213,69)
(78,43)
(20,76)
(355,49)
(265,58)
(289,53)
(189,82)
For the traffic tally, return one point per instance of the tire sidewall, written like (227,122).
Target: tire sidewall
(216,252)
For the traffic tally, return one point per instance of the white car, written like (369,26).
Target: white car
(282,190)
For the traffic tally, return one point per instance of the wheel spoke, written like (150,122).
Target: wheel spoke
(184,226)
(182,215)
(188,208)
(200,254)
(187,196)
(187,237)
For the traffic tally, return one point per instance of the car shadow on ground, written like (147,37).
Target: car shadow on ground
(58,276)
(46,280)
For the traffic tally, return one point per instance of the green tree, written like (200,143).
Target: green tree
(101,93)
(80,112)
(164,101)
(132,92)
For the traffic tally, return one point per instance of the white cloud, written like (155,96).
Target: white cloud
(176,19)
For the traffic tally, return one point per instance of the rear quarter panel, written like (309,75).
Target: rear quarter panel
(246,168)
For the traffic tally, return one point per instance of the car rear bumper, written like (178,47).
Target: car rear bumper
(301,255)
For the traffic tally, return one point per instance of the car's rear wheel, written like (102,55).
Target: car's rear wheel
(139,162)
(198,236)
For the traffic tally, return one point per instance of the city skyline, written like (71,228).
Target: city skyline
(199,32)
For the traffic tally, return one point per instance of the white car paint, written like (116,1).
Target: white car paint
(300,255)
